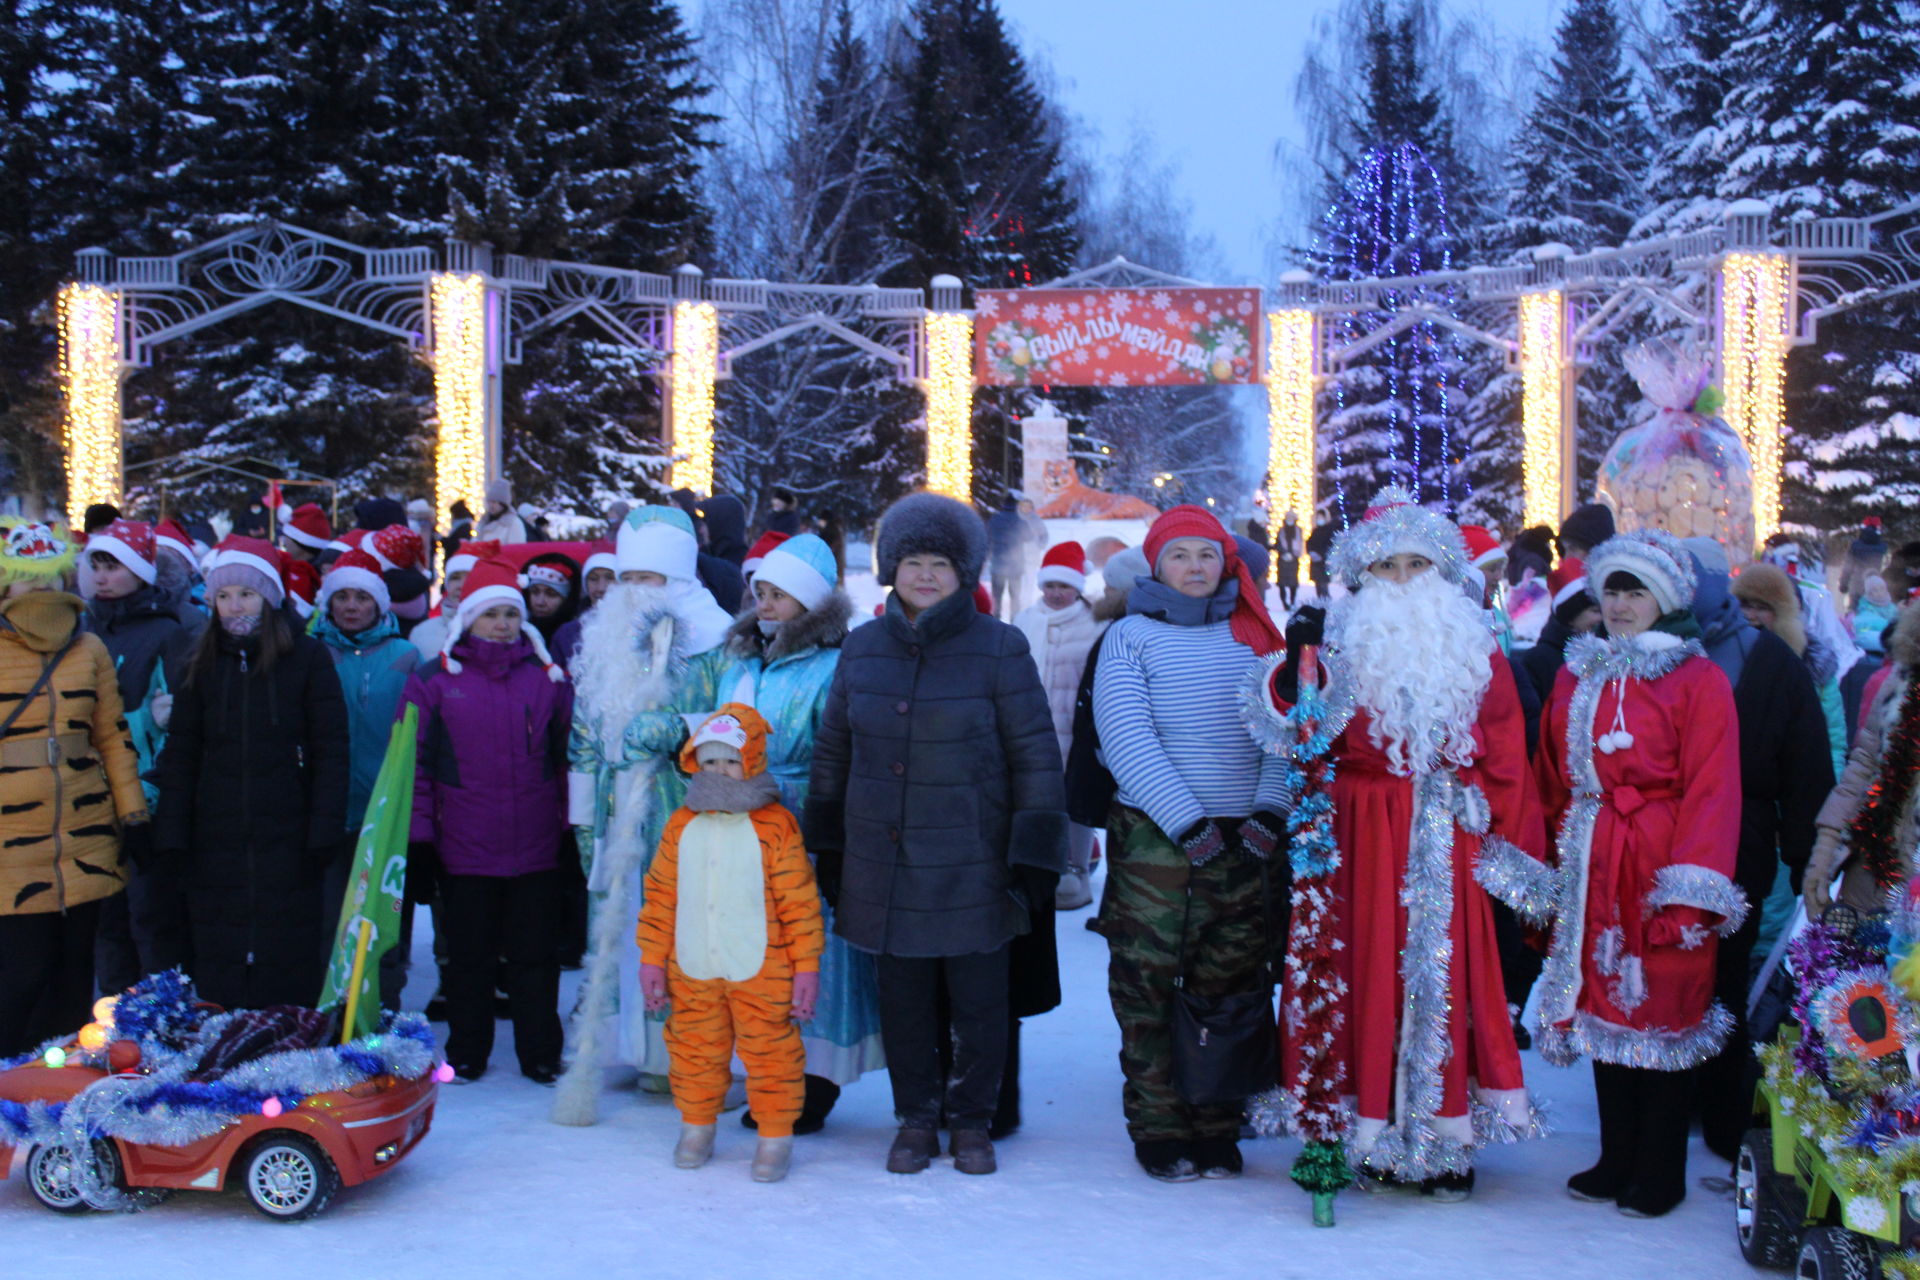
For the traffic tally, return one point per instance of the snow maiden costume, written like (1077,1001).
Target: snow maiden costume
(1639,770)
(631,695)
(1411,1066)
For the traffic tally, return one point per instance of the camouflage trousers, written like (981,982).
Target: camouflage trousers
(1148,883)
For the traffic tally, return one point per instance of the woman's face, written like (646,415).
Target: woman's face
(500,623)
(352,610)
(1191,566)
(238,602)
(598,581)
(922,581)
(1759,614)
(1628,611)
(771,604)
(543,600)
(450,592)
(111,579)
(1401,566)
(1058,595)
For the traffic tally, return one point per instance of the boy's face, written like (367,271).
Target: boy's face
(718,757)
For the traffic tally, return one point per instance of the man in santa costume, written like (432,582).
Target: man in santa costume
(1424,734)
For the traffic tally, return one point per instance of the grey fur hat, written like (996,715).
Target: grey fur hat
(931,524)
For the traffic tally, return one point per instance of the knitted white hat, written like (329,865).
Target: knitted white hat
(1655,557)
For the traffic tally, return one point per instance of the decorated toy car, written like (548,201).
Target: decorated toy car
(1828,1181)
(162,1093)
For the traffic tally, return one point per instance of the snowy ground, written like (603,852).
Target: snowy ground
(497,1190)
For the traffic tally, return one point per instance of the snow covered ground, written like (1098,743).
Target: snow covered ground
(497,1190)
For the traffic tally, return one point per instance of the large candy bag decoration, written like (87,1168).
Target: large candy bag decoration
(1682,469)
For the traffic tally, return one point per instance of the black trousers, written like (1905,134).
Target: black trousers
(46,975)
(1643,1130)
(1724,1083)
(487,919)
(910,1031)
(142,931)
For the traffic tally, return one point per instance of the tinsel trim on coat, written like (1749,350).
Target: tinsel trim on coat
(1686,884)
(1528,885)
(1652,1050)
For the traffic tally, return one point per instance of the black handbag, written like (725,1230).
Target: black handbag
(1226,1048)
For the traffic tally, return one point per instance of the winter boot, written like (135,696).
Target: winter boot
(1168,1159)
(822,1093)
(1613,1089)
(1448,1188)
(913,1150)
(1218,1158)
(695,1147)
(771,1158)
(972,1151)
(1075,891)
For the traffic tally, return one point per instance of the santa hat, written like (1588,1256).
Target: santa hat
(982,599)
(1250,622)
(470,555)
(1396,525)
(395,547)
(489,583)
(308,526)
(801,566)
(555,573)
(1065,563)
(1653,556)
(360,571)
(1567,580)
(758,552)
(303,583)
(658,540)
(602,558)
(131,543)
(240,561)
(170,535)
(1483,549)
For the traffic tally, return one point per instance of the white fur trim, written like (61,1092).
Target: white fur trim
(795,577)
(1064,576)
(354,576)
(598,560)
(142,569)
(463,562)
(658,547)
(290,530)
(245,559)
(1569,591)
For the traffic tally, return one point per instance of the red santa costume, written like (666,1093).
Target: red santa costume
(1429,774)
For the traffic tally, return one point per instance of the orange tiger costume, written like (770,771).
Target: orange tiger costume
(713,1017)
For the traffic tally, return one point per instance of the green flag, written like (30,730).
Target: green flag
(378,882)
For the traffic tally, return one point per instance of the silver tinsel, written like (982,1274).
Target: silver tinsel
(1529,886)
(1687,884)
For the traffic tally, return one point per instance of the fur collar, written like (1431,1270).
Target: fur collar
(717,793)
(1647,656)
(821,628)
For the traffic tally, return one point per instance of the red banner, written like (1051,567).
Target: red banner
(1156,337)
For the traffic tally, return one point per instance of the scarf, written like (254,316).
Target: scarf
(1155,599)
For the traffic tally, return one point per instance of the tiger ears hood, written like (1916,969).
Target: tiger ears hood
(736,724)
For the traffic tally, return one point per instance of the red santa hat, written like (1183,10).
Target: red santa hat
(308,526)
(360,571)
(551,573)
(1066,564)
(240,561)
(303,583)
(396,547)
(1251,624)
(471,554)
(171,535)
(982,599)
(1483,549)
(489,583)
(131,543)
(757,553)
(1567,580)
(602,558)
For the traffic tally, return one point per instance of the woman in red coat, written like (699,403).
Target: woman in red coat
(1639,769)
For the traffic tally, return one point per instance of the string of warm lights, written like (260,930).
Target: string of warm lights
(696,363)
(1754,341)
(950,404)
(1542,368)
(1290,437)
(459,317)
(90,373)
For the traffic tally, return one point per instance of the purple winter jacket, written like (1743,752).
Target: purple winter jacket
(490,785)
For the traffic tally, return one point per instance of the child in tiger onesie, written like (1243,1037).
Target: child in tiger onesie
(730,936)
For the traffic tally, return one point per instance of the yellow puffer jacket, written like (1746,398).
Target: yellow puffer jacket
(67,773)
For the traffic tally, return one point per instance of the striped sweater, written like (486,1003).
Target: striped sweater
(1166,703)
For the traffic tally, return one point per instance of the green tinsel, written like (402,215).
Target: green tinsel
(1321,1167)
(1883,1175)
(1904,1265)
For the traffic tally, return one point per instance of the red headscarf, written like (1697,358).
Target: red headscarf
(1251,624)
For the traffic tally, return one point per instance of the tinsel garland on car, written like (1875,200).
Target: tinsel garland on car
(1873,836)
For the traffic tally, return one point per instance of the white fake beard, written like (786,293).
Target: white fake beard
(1420,656)
(613,675)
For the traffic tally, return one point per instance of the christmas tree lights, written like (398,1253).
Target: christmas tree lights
(90,374)
(950,404)
(1290,437)
(1542,371)
(459,318)
(1753,352)
(696,363)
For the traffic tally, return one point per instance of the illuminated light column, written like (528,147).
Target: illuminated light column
(1290,442)
(90,374)
(949,394)
(696,363)
(1753,362)
(1543,368)
(460,391)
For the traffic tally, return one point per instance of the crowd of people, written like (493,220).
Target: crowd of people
(767,827)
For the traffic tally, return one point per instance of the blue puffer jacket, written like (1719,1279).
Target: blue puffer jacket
(373,668)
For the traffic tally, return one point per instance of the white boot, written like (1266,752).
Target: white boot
(771,1158)
(695,1147)
(1074,891)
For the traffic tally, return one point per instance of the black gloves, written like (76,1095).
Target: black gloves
(1306,629)
(1038,885)
(136,845)
(1261,834)
(1203,842)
